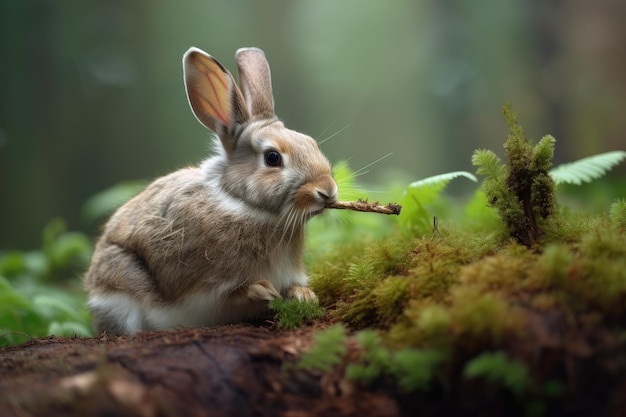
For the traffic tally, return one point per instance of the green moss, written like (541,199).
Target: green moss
(522,191)
(618,214)
(411,369)
(374,360)
(291,314)
(484,318)
(358,311)
(599,274)
(552,268)
(498,368)
(391,297)
(328,350)
(348,280)
(522,281)
(423,324)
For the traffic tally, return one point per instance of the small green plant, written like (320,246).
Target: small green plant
(415,369)
(62,254)
(419,203)
(328,351)
(618,214)
(291,314)
(523,190)
(374,361)
(499,368)
(586,169)
(481,280)
(411,369)
(104,203)
(39,293)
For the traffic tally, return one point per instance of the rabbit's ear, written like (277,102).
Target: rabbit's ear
(213,95)
(256,82)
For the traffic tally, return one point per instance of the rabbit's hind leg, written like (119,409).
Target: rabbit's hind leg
(115,313)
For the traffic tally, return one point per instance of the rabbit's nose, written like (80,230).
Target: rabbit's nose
(326,196)
(323,195)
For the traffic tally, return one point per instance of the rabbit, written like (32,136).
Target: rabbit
(213,244)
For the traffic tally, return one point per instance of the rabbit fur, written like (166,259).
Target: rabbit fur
(214,244)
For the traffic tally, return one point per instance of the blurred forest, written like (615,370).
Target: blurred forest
(91,93)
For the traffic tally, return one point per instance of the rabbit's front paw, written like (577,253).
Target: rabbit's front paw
(263,290)
(301,293)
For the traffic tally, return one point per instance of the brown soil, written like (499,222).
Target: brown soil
(227,371)
(244,370)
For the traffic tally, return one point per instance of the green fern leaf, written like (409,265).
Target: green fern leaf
(586,169)
(487,163)
(421,195)
(442,179)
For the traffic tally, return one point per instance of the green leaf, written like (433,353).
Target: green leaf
(442,180)
(107,201)
(487,163)
(374,361)
(415,369)
(70,246)
(69,328)
(420,195)
(54,305)
(291,313)
(586,169)
(329,349)
(497,367)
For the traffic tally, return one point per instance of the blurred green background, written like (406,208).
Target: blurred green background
(91,93)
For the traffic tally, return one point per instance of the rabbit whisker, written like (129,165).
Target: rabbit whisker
(328,127)
(287,222)
(372,163)
(357,174)
(321,142)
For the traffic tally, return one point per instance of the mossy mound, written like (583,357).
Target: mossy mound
(531,301)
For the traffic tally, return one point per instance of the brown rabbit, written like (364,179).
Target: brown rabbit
(213,244)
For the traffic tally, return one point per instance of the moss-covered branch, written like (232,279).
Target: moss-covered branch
(522,191)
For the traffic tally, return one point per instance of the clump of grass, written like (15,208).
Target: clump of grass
(291,314)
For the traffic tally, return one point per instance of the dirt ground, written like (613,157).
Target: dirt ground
(225,371)
(244,370)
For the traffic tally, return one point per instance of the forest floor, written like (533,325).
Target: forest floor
(223,371)
(239,370)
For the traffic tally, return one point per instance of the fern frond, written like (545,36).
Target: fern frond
(487,163)
(442,179)
(586,169)
(421,195)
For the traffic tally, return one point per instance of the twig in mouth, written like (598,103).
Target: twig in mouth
(361,205)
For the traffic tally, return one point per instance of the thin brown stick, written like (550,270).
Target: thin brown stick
(361,205)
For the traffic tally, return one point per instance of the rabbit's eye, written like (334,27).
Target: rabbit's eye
(273,159)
